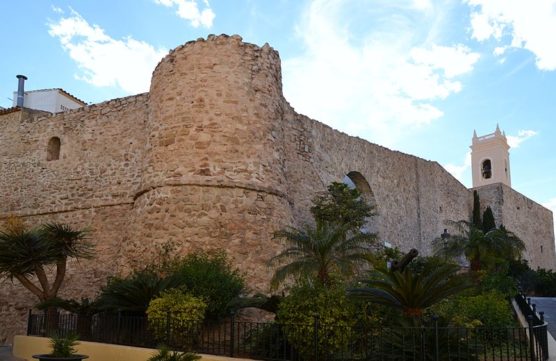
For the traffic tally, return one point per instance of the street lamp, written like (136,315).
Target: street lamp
(444,236)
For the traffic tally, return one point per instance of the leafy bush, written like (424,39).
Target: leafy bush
(489,309)
(133,293)
(211,277)
(545,283)
(208,276)
(500,282)
(540,282)
(336,317)
(176,312)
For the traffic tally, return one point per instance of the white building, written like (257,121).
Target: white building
(54,100)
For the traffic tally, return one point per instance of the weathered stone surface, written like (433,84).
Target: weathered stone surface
(214,157)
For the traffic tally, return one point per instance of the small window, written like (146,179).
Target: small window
(541,249)
(486,169)
(53,150)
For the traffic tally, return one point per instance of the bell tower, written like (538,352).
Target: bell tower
(490,159)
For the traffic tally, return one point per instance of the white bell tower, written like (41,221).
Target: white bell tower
(490,159)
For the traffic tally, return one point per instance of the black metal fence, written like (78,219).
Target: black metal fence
(316,341)
(536,320)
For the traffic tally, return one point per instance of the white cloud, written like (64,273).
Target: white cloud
(422,4)
(189,10)
(529,25)
(515,140)
(56,9)
(104,61)
(454,60)
(458,170)
(378,86)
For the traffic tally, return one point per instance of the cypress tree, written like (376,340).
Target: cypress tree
(488,220)
(476,221)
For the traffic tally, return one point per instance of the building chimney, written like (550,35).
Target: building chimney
(20,90)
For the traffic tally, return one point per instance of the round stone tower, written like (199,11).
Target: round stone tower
(212,175)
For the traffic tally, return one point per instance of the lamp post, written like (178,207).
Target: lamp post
(444,236)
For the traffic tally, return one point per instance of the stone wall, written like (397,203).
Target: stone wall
(213,157)
(91,186)
(413,196)
(529,220)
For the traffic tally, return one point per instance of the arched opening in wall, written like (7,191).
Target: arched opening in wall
(53,149)
(486,169)
(355,180)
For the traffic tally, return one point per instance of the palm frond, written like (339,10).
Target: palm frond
(22,252)
(320,251)
(66,241)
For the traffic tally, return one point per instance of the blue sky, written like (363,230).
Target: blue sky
(413,75)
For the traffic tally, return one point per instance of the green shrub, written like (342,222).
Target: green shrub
(184,312)
(541,282)
(210,276)
(132,294)
(499,282)
(336,317)
(545,283)
(490,310)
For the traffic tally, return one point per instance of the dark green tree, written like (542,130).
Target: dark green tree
(476,221)
(335,245)
(488,220)
(342,206)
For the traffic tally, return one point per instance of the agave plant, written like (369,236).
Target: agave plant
(63,349)
(164,354)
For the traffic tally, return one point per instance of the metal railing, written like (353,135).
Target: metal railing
(316,341)
(537,325)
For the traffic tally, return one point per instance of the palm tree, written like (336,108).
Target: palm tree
(321,251)
(412,292)
(480,248)
(26,255)
(507,244)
